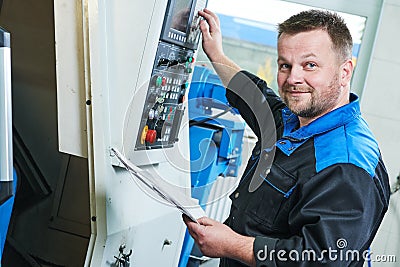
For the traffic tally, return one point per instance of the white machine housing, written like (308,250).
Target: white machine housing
(105,53)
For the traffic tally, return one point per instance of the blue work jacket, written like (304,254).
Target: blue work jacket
(325,195)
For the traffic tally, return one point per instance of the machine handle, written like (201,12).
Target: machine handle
(6,153)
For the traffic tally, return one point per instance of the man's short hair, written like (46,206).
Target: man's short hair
(331,22)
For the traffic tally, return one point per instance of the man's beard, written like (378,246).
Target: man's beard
(318,103)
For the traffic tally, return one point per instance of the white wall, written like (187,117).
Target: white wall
(381,108)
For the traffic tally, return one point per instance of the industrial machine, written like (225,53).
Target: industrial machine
(121,71)
(170,77)
(138,60)
(216,133)
(214,121)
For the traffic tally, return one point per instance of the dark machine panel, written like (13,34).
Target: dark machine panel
(172,70)
(163,108)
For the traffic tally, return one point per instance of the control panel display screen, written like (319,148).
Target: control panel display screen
(182,23)
(180,15)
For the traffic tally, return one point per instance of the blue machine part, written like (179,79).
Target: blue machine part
(215,140)
(5,216)
(207,91)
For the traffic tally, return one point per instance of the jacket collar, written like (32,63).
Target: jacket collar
(293,138)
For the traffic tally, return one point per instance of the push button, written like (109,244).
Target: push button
(144,133)
(151,136)
(159,81)
(163,62)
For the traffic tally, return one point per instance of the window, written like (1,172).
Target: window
(249,31)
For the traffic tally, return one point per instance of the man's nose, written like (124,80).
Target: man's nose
(295,76)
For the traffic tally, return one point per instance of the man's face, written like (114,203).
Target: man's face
(308,73)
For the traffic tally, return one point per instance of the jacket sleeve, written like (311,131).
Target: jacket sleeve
(257,103)
(333,224)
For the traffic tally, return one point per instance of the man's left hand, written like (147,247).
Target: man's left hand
(216,240)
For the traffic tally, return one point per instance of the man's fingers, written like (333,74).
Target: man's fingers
(205,30)
(206,221)
(193,227)
(186,219)
(189,224)
(211,19)
(213,15)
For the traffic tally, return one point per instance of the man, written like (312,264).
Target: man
(324,197)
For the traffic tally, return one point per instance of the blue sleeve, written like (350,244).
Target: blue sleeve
(255,101)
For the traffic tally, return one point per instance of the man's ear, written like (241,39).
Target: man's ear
(346,72)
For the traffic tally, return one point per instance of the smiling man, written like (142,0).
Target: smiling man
(311,84)
(324,197)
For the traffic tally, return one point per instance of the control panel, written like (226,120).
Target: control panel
(163,108)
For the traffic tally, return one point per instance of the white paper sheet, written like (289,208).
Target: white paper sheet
(170,193)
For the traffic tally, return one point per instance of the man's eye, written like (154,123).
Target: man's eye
(284,66)
(311,65)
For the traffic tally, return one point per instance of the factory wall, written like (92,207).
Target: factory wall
(380,105)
